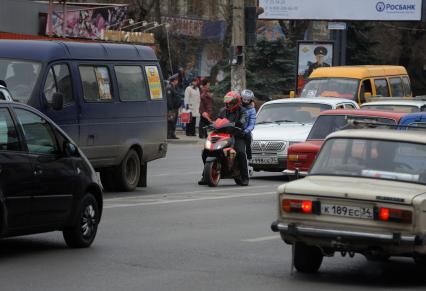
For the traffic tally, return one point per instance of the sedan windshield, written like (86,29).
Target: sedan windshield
(368,158)
(326,124)
(20,77)
(290,112)
(331,87)
(393,108)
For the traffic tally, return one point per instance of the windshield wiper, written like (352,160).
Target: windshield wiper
(264,122)
(284,121)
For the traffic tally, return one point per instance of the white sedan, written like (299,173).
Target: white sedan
(283,122)
(398,105)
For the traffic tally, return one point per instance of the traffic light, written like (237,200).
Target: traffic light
(424,10)
(237,55)
(250,22)
(250,14)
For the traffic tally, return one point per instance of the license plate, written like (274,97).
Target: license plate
(347,211)
(264,160)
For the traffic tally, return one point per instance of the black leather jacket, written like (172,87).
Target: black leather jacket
(239,116)
(173,98)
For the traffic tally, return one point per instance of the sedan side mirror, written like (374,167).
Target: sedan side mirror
(57,101)
(70,149)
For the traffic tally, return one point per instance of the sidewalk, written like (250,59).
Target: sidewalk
(183,139)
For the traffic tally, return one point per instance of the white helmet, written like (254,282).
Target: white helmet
(247,96)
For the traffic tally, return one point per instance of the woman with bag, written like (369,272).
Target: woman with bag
(192,103)
(205,108)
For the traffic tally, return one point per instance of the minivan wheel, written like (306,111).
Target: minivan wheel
(307,259)
(83,232)
(128,172)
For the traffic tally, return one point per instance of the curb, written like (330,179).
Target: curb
(184,141)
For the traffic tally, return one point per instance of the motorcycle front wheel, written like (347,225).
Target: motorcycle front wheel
(212,173)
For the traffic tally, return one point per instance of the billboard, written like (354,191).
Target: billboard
(312,55)
(378,10)
(88,22)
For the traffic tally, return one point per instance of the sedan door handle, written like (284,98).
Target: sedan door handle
(37,171)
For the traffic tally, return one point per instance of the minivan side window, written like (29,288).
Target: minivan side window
(396,86)
(59,80)
(8,135)
(365,88)
(39,135)
(131,83)
(381,87)
(407,86)
(96,83)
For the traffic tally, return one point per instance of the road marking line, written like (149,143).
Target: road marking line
(265,238)
(188,200)
(174,174)
(188,193)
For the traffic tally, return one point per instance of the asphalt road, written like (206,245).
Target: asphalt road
(176,235)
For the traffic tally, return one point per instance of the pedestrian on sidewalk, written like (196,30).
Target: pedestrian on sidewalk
(205,108)
(173,104)
(192,103)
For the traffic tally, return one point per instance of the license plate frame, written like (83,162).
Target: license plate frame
(264,160)
(339,210)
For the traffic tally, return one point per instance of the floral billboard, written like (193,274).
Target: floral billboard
(87,22)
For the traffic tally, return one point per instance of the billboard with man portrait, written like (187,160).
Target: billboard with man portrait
(312,55)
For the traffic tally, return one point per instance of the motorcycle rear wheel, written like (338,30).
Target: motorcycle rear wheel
(212,173)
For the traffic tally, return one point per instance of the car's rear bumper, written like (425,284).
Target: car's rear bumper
(293,230)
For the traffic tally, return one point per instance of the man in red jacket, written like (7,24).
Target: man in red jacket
(205,108)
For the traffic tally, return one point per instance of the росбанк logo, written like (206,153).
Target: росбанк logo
(380,6)
(395,8)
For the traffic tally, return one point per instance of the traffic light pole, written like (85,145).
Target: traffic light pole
(238,68)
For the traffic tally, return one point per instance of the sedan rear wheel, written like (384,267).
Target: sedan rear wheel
(307,259)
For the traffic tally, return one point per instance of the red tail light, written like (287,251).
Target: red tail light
(300,206)
(393,215)
(307,206)
(384,214)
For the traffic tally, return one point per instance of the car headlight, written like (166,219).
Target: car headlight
(207,144)
(221,144)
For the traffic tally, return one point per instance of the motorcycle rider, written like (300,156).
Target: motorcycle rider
(247,98)
(235,112)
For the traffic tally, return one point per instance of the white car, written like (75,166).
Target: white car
(283,122)
(365,193)
(398,105)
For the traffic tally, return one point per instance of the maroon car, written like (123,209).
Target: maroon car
(302,155)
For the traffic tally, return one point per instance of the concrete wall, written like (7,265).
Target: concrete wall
(20,16)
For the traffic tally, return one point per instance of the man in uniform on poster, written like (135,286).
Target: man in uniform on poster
(320,52)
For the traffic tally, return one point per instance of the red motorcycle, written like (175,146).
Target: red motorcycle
(219,153)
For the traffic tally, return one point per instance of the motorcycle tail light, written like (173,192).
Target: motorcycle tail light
(393,215)
(301,206)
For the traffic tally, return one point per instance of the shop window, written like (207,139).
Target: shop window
(195,8)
